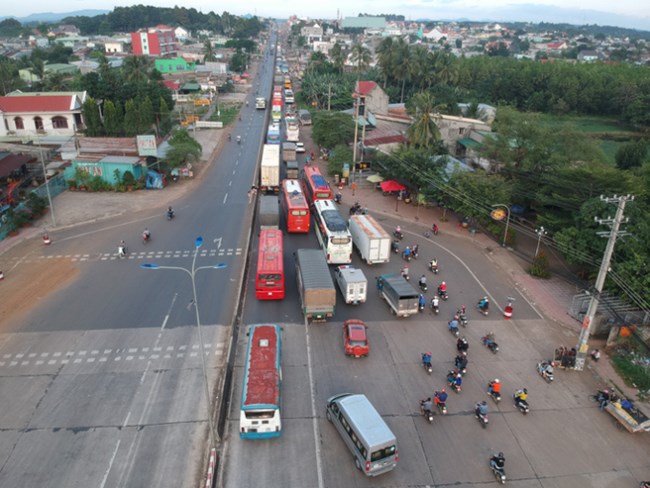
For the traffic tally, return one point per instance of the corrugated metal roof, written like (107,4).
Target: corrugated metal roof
(313,269)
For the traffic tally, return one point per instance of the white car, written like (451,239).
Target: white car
(300,147)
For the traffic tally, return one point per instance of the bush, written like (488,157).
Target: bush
(539,268)
(36,203)
(635,375)
(128,179)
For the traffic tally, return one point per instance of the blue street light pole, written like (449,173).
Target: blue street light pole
(198,242)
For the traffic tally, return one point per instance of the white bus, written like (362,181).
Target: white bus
(288,95)
(292,129)
(332,232)
(372,443)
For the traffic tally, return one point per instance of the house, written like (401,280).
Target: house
(312,33)
(65,30)
(373,97)
(433,35)
(588,56)
(181,33)
(106,166)
(113,47)
(173,65)
(556,46)
(31,114)
(157,41)
(453,129)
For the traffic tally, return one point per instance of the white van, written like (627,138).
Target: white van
(372,443)
(353,284)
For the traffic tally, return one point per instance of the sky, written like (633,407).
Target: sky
(622,13)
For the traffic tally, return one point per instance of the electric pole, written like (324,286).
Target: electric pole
(583,346)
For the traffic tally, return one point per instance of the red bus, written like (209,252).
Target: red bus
(269,279)
(296,208)
(316,185)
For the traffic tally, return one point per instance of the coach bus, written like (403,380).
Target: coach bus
(295,206)
(316,185)
(332,233)
(259,417)
(273,134)
(269,279)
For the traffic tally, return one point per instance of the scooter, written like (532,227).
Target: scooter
(398,234)
(433,269)
(121,251)
(442,408)
(462,345)
(406,257)
(541,367)
(483,310)
(522,405)
(146,237)
(495,396)
(428,367)
(443,294)
(491,345)
(451,377)
(462,318)
(406,276)
(395,246)
(482,419)
(423,287)
(453,328)
(428,414)
(499,473)
(435,308)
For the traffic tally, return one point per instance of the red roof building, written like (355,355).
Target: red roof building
(25,114)
(154,42)
(374,99)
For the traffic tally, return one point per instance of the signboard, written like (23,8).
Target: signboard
(361,165)
(207,124)
(147,145)
(498,214)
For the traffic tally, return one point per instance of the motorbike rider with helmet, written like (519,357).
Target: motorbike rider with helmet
(495,387)
(481,409)
(426,359)
(521,396)
(498,461)
(461,361)
(440,397)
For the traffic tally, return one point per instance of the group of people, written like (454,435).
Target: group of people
(566,357)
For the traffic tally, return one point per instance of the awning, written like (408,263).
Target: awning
(375,178)
(391,185)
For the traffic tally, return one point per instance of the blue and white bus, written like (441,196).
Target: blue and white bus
(273,134)
(260,401)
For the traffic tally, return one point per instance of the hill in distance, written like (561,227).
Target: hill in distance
(55,17)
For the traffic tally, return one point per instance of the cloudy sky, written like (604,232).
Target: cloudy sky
(624,13)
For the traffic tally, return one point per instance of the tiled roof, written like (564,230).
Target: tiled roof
(365,87)
(37,103)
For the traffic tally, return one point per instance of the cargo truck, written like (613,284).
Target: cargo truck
(353,284)
(270,169)
(288,151)
(315,285)
(293,170)
(401,297)
(260,103)
(370,238)
(269,212)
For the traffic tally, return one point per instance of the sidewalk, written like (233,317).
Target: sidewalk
(550,297)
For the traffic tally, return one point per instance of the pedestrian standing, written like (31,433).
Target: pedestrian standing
(354,187)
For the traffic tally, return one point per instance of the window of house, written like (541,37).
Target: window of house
(38,122)
(19,123)
(59,122)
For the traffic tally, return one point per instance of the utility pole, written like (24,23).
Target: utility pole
(329,96)
(583,346)
(356,131)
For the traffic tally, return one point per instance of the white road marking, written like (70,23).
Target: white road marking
(110,464)
(225,197)
(312,394)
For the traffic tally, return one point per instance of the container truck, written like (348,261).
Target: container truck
(270,169)
(401,297)
(315,285)
(268,212)
(370,238)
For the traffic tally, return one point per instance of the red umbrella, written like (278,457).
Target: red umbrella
(391,185)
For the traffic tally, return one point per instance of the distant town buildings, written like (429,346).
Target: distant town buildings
(157,41)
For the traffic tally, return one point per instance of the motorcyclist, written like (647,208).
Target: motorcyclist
(484,304)
(423,302)
(461,361)
(440,397)
(414,250)
(423,281)
(442,289)
(462,344)
(395,246)
(426,405)
(433,264)
(405,272)
(435,228)
(453,324)
(458,381)
(481,409)
(547,368)
(426,359)
(407,252)
(435,301)
(462,310)
(489,338)
(521,395)
(495,387)
(398,230)
(146,234)
(499,461)
(170,212)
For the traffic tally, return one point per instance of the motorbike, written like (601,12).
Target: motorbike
(443,294)
(170,214)
(451,377)
(395,246)
(452,325)
(405,275)
(462,318)
(423,287)
(121,251)
(414,252)
(462,345)
(433,269)
(522,405)
(406,257)
(495,395)
(442,408)
(491,345)
(398,234)
(354,209)
(428,367)
(146,237)
(238,139)
(499,473)
(483,310)
(435,308)
(428,414)
(541,369)
(421,306)
(462,370)
(482,418)
(435,230)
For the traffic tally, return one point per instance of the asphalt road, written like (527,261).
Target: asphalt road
(102,382)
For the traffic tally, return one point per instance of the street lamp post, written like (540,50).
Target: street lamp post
(192,273)
(498,215)
(540,232)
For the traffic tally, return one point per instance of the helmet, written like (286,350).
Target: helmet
(483,402)
(464,354)
(496,380)
(459,375)
(443,283)
(435,296)
(442,391)
(429,353)
(501,455)
(525,391)
(485,298)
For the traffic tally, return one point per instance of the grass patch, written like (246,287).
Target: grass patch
(227,114)
(635,375)
(591,125)
(610,147)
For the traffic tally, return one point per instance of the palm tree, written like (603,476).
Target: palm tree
(360,55)
(423,132)
(136,68)
(404,64)
(446,68)
(386,55)
(338,56)
(208,51)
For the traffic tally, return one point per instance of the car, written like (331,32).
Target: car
(300,147)
(355,338)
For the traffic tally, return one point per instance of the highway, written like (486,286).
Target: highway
(102,382)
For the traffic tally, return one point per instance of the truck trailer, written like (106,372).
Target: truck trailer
(401,297)
(315,285)
(370,238)
(268,212)
(270,169)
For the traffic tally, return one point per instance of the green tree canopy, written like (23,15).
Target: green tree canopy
(331,129)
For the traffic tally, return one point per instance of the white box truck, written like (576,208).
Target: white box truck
(270,169)
(352,283)
(370,238)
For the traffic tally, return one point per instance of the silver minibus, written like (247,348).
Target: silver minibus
(372,443)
